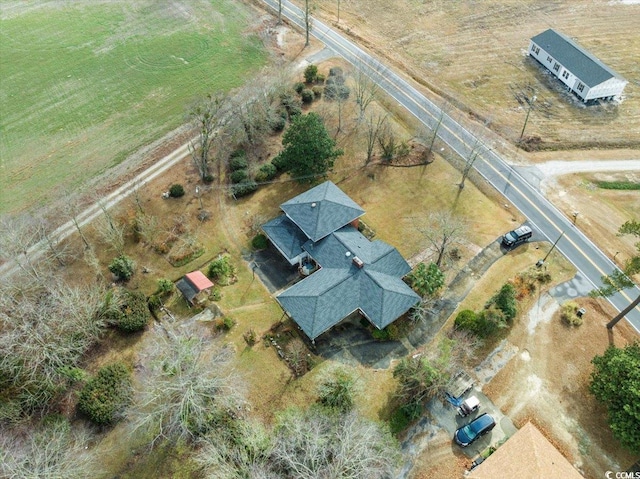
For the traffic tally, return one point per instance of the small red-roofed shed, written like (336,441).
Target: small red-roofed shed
(193,285)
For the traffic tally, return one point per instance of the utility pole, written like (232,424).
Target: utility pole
(622,314)
(541,261)
(526,118)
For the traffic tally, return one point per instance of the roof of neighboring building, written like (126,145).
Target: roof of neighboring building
(198,280)
(187,290)
(341,287)
(574,58)
(321,210)
(287,237)
(526,455)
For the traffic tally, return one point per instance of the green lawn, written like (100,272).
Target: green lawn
(84,84)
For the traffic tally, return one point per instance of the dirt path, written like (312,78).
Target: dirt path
(556,168)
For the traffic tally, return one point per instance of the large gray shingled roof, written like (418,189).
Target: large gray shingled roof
(321,210)
(574,58)
(341,287)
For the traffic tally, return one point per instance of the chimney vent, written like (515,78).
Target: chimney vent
(358,262)
(313,205)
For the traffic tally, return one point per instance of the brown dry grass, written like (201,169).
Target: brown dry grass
(473,51)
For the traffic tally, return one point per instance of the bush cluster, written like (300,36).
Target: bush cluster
(259,242)
(267,172)
(244,188)
(238,176)
(122,267)
(238,160)
(505,301)
(127,310)
(106,394)
(176,191)
(569,314)
(221,270)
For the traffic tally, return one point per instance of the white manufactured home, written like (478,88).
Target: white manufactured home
(579,70)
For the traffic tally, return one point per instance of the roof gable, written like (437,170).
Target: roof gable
(527,455)
(574,58)
(287,237)
(198,280)
(321,210)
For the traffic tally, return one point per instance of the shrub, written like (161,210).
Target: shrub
(307,96)
(336,80)
(238,162)
(215,294)
(122,267)
(238,176)
(267,172)
(335,91)
(482,325)
(337,392)
(259,242)
(320,78)
(336,72)
(568,314)
(250,337)
(208,178)
(225,323)
(165,286)
(154,302)
(505,301)
(278,123)
(310,74)
(176,191)
(244,188)
(317,92)
(106,394)
(298,87)
(127,310)
(221,270)
(291,103)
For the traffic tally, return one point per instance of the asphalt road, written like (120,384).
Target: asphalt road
(542,215)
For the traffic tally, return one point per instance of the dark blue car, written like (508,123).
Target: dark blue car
(476,428)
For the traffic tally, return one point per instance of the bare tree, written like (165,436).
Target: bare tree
(190,389)
(364,90)
(110,229)
(44,331)
(307,22)
(442,230)
(208,116)
(471,159)
(53,451)
(17,235)
(375,125)
(314,444)
(241,454)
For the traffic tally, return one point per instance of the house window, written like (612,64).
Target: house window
(537,50)
(580,87)
(533,48)
(565,74)
(556,67)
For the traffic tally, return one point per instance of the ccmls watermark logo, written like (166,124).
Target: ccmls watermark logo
(622,475)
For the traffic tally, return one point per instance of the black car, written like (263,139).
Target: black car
(476,428)
(517,236)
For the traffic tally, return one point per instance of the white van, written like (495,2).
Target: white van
(517,236)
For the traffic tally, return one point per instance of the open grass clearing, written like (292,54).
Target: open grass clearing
(473,52)
(86,84)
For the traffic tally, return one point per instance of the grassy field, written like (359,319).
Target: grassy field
(85,84)
(475,52)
